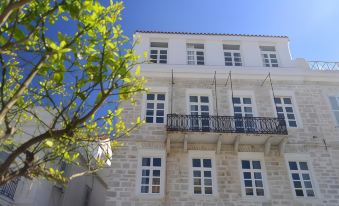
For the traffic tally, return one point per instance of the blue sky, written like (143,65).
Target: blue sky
(311,25)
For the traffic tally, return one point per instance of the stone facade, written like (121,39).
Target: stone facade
(315,138)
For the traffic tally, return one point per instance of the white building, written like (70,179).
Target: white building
(218,133)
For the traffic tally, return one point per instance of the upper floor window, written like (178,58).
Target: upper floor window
(284,107)
(158,52)
(335,107)
(269,56)
(243,107)
(199,106)
(232,55)
(195,54)
(155,107)
(301,178)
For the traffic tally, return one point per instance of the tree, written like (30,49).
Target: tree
(65,66)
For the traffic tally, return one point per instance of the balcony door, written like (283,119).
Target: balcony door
(199,111)
(243,113)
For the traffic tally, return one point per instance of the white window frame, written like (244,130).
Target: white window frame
(336,122)
(232,51)
(268,53)
(295,157)
(199,154)
(284,93)
(163,90)
(144,153)
(254,156)
(194,50)
(199,92)
(242,94)
(158,49)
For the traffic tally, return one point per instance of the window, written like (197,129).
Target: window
(269,56)
(151,169)
(158,52)
(252,177)
(301,178)
(195,54)
(232,55)
(335,107)
(285,110)
(199,106)
(155,108)
(243,108)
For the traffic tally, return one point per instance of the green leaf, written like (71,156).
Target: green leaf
(49,143)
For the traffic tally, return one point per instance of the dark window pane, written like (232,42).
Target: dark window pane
(247,101)
(306,176)
(249,191)
(144,189)
(245,164)
(290,116)
(208,182)
(207,174)
(260,192)
(208,190)
(303,165)
(161,97)
(149,119)
(154,51)
(247,175)
(157,162)
(163,51)
(155,189)
(297,184)
(258,183)
(204,99)
(150,96)
(196,174)
(308,184)
(156,173)
(299,193)
(207,163)
(280,109)
(236,100)
(160,120)
(293,165)
(145,180)
(145,173)
(289,109)
(156,181)
(197,181)
(149,112)
(237,109)
(150,106)
(160,113)
(277,100)
(281,115)
(146,161)
(248,183)
(310,193)
(196,162)
(292,123)
(163,61)
(197,190)
(256,165)
(287,101)
(257,175)
(295,176)
(193,99)
(160,106)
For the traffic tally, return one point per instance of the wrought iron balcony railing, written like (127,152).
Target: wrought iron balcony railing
(226,124)
(8,189)
(324,66)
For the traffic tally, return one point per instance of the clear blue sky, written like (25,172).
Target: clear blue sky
(311,25)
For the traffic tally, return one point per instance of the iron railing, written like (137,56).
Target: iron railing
(324,66)
(8,189)
(226,124)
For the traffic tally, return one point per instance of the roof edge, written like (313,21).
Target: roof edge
(211,34)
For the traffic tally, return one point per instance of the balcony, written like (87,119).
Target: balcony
(324,66)
(8,189)
(226,124)
(227,130)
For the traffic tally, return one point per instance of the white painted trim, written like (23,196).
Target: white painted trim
(157,154)
(286,93)
(199,92)
(254,156)
(306,158)
(243,93)
(143,102)
(202,154)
